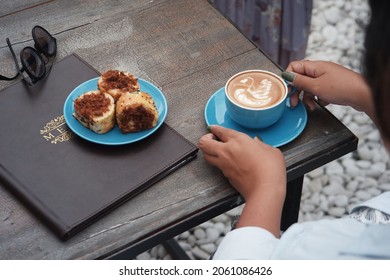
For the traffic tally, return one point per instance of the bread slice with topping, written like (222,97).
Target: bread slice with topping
(136,111)
(115,82)
(95,110)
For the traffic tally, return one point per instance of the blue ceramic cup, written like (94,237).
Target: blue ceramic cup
(256,99)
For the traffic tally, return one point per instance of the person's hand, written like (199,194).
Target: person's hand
(247,163)
(328,83)
(256,170)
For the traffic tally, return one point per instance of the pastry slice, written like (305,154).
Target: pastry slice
(95,110)
(115,82)
(136,111)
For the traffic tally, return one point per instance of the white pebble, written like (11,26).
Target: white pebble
(384,187)
(316,173)
(365,153)
(307,207)
(332,15)
(184,235)
(337,211)
(220,227)
(334,168)
(332,189)
(324,205)
(341,201)
(206,224)
(351,168)
(199,233)
(376,170)
(374,191)
(365,164)
(352,185)
(209,248)
(191,240)
(199,253)
(315,198)
(235,211)
(363,195)
(330,34)
(154,252)
(368,183)
(219,240)
(315,185)
(161,252)
(144,256)
(212,234)
(221,218)
(361,118)
(185,245)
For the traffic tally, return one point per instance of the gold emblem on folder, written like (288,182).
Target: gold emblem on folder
(56,131)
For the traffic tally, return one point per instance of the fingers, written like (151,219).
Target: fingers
(300,81)
(212,144)
(222,133)
(211,159)
(308,99)
(303,76)
(305,67)
(209,144)
(296,66)
(294,100)
(215,143)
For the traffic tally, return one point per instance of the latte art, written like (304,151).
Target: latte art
(249,94)
(256,90)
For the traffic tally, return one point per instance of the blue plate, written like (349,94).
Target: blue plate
(289,127)
(114,136)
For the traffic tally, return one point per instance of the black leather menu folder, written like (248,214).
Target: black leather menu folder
(67,181)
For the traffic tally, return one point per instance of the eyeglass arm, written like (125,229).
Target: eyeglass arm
(20,70)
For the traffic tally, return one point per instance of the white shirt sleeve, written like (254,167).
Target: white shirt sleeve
(343,238)
(246,243)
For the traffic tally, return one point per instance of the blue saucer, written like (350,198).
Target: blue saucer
(289,127)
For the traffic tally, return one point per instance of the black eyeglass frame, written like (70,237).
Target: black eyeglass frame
(50,52)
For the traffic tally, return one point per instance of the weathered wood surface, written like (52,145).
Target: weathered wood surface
(187,49)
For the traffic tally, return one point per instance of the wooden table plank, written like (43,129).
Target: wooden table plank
(12,7)
(61,15)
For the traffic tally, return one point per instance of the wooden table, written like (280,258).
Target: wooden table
(188,49)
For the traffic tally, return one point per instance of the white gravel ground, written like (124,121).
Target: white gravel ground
(337,34)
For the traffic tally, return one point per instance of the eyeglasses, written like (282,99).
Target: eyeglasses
(33,64)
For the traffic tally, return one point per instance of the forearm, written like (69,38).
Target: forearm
(265,209)
(362,97)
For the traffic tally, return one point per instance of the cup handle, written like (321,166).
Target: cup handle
(292,90)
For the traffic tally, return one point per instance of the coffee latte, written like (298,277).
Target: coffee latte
(255,90)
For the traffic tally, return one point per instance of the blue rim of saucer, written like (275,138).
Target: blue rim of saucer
(288,128)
